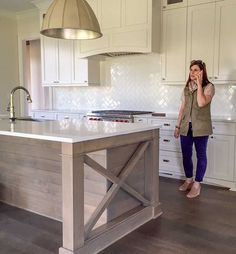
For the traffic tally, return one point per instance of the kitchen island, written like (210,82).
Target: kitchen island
(99,178)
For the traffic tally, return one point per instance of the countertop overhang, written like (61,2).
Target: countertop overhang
(70,131)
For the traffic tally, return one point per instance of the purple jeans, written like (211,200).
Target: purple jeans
(200,144)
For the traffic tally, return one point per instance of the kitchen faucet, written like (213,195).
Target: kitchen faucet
(11,103)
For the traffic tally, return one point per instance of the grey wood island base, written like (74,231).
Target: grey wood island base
(101,188)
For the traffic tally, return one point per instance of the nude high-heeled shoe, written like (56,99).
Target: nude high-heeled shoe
(195,190)
(187,185)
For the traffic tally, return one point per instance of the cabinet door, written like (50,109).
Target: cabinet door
(111,14)
(81,71)
(171,4)
(65,61)
(174,46)
(200,35)
(171,162)
(196,2)
(221,157)
(137,15)
(49,60)
(225,50)
(140,120)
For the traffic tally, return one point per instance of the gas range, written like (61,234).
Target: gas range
(126,116)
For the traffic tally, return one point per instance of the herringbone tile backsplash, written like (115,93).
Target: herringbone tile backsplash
(134,83)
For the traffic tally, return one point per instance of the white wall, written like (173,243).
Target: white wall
(28,29)
(9,77)
(135,84)
(28,24)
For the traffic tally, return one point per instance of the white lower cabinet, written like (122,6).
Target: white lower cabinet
(68,116)
(221,169)
(44,115)
(56,115)
(221,157)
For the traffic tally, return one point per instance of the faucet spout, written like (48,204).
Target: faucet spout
(11,106)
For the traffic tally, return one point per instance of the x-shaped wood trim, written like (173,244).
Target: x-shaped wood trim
(118,182)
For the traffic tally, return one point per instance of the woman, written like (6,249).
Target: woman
(194,125)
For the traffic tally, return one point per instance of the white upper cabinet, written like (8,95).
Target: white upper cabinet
(49,55)
(172,4)
(86,71)
(56,61)
(210,37)
(62,65)
(225,50)
(201,35)
(173,68)
(127,26)
(65,50)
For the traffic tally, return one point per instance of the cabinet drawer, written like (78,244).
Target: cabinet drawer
(224,128)
(169,143)
(45,115)
(140,120)
(171,162)
(166,124)
(62,116)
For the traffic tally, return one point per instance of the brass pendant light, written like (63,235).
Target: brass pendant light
(70,19)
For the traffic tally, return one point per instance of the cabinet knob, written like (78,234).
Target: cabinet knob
(164,7)
(166,160)
(163,79)
(215,77)
(212,137)
(166,140)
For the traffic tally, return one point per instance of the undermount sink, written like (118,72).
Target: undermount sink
(30,119)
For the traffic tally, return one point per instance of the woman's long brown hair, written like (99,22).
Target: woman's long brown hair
(202,67)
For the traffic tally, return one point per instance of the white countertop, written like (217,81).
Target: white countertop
(174,116)
(70,131)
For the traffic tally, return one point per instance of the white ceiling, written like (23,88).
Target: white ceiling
(16,5)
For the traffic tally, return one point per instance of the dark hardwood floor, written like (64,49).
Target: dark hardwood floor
(206,224)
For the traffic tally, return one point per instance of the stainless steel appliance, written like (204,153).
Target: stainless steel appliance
(125,116)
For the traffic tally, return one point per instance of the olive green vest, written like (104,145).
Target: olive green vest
(199,116)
